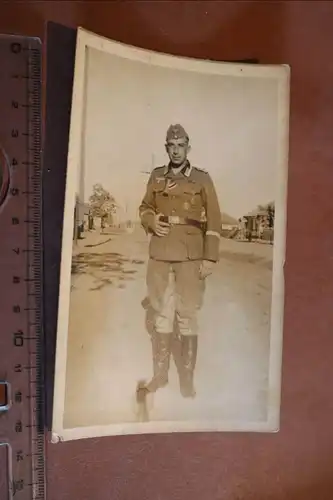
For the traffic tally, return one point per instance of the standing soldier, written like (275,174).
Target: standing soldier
(183,250)
(90,221)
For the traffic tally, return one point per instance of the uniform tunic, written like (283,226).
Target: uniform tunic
(186,194)
(175,259)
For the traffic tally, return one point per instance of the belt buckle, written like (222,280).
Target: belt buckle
(174,219)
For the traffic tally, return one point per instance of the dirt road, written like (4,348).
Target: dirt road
(109,349)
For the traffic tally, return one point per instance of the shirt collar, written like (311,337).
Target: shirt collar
(186,170)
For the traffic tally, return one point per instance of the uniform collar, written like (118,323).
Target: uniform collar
(186,170)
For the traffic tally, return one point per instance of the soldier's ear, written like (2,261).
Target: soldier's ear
(189,148)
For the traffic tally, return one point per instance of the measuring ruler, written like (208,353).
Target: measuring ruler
(22,438)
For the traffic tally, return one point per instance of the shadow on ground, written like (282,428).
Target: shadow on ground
(247,257)
(99,244)
(105,268)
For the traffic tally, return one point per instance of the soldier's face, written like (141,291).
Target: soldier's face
(177,150)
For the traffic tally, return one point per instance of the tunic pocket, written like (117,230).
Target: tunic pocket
(195,191)
(194,245)
(192,196)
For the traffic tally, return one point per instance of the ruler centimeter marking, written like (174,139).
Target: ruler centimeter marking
(21,343)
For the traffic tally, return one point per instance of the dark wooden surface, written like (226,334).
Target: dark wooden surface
(297,462)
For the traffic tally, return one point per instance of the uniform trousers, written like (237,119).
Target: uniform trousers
(175,289)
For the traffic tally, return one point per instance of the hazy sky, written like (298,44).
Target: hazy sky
(231,121)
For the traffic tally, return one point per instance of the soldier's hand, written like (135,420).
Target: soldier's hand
(206,268)
(160,228)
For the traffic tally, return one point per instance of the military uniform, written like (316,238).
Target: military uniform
(175,288)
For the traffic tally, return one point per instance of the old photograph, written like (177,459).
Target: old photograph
(172,288)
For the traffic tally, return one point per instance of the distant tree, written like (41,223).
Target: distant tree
(271,215)
(101,202)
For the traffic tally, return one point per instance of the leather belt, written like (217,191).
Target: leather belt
(185,221)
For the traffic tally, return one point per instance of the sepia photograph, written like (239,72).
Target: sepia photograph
(171,296)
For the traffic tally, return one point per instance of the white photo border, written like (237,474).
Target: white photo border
(87,40)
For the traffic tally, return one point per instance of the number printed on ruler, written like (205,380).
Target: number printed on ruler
(22,427)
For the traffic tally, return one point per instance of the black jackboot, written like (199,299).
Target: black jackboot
(176,349)
(161,347)
(189,359)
